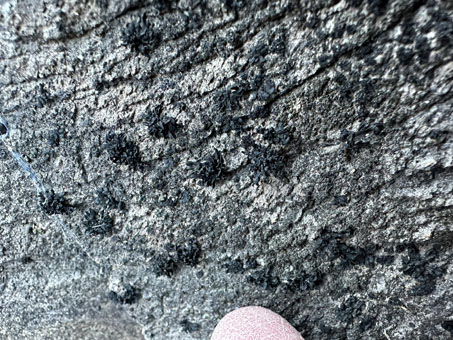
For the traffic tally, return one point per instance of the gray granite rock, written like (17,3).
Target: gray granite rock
(164,162)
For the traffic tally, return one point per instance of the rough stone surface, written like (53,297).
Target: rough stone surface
(165,162)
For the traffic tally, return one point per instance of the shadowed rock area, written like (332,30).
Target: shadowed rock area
(165,162)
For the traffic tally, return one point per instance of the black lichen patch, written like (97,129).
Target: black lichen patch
(53,203)
(378,7)
(104,4)
(54,138)
(161,126)
(233,5)
(265,161)
(263,278)
(332,246)
(422,269)
(97,223)
(228,100)
(279,135)
(164,265)
(305,281)
(266,90)
(188,253)
(350,309)
(257,53)
(234,267)
(227,123)
(210,170)
(405,56)
(448,326)
(341,200)
(141,36)
(128,295)
(189,327)
(122,151)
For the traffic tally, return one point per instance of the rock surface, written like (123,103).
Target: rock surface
(165,162)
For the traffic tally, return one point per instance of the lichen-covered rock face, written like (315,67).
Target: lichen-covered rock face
(166,162)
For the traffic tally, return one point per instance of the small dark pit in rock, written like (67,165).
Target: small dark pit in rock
(3,129)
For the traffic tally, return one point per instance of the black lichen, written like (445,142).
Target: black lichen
(234,267)
(189,327)
(405,56)
(305,281)
(161,126)
(350,309)
(265,161)
(210,170)
(448,326)
(53,203)
(257,53)
(128,295)
(97,223)
(141,36)
(378,7)
(228,100)
(122,151)
(422,269)
(279,135)
(188,253)
(164,265)
(263,278)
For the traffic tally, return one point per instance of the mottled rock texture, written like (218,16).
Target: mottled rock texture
(165,162)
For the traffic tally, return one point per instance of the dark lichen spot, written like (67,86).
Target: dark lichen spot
(233,5)
(188,253)
(161,126)
(341,200)
(54,138)
(279,135)
(264,161)
(350,309)
(164,264)
(405,56)
(228,100)
(366,323)
(234,267)
(266,90)
(53,203)
(378,7)
(97,223)
(257,53)
(448,326)
(128,295)
(305,281)
(122,151)
(26,260)
(104,4)
(210,170)
(264,278)
(422,269)
(189,327)
(141,36)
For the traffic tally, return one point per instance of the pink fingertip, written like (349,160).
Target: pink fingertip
(254,323)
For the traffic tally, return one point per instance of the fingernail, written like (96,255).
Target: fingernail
(254,323)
